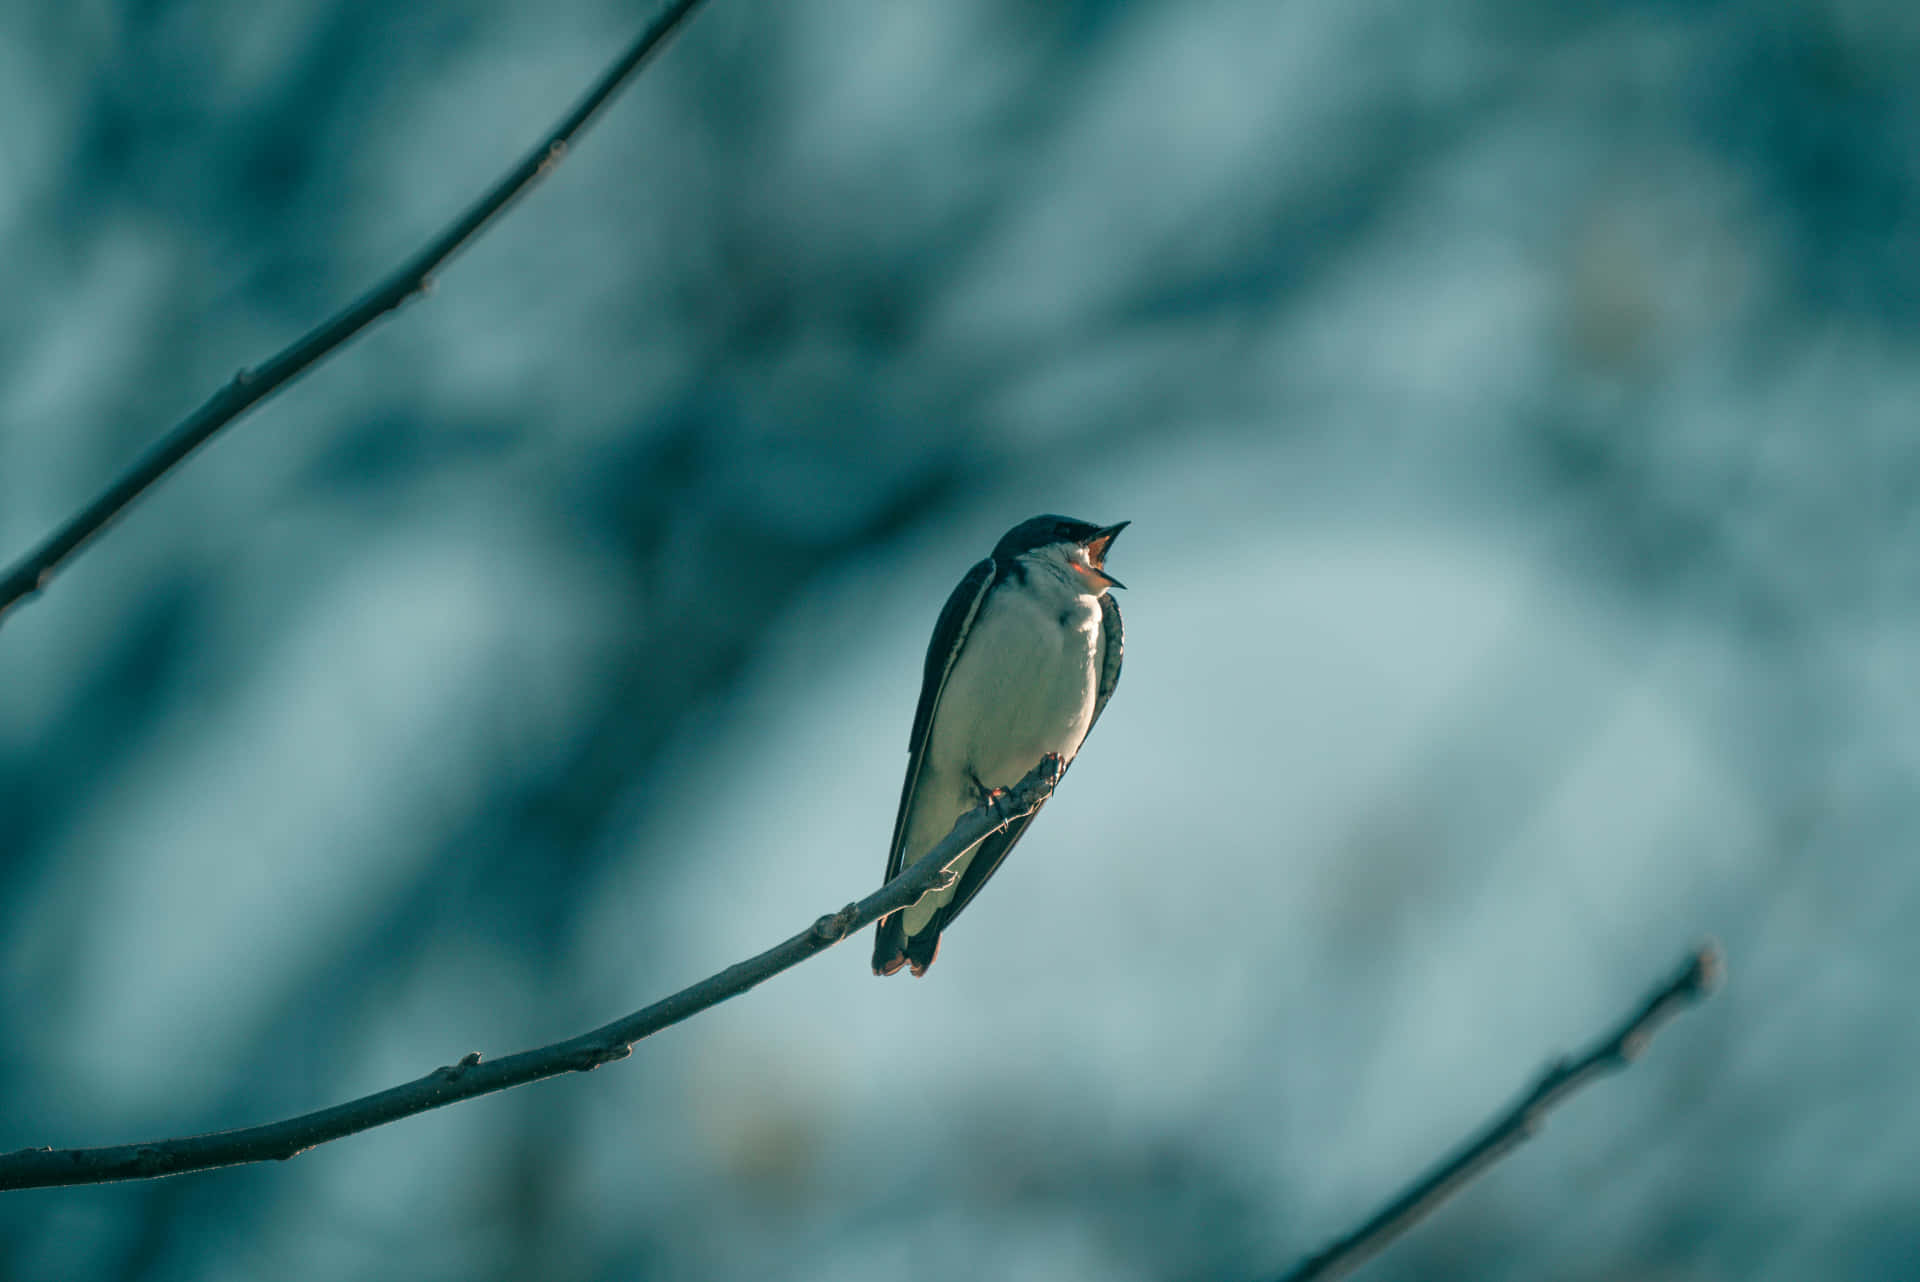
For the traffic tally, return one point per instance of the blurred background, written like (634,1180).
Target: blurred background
(1516,408)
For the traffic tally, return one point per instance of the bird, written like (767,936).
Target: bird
(1023,659)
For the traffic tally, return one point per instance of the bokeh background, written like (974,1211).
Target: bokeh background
(1516,405)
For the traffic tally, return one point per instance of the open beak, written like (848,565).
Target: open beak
(1097,548)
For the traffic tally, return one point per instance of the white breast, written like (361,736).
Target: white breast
(1023,686)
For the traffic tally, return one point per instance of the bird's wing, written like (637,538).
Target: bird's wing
(1113,640)
(949,634)
(994,850)
(987,858)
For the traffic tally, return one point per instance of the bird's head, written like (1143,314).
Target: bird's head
(1079,546)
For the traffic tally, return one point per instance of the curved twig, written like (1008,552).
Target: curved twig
(44,1167)
(27,576)
(1613,1052)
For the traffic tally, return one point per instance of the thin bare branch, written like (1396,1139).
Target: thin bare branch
(471,1076)
(1613,1052)
(32,572)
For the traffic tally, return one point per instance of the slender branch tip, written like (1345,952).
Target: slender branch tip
(1709,966)
(1563,1076)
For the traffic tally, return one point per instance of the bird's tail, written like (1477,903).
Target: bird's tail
(892,948)
(923,948)
(890,943)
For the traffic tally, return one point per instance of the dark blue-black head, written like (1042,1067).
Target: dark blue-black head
(1045,531)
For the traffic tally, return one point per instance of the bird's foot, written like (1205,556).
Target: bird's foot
(995,799)
(1056,766)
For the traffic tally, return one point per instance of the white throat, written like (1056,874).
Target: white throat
(1061,568)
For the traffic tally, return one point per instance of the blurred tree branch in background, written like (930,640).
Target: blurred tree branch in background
(250,386)
(471,1077)
(1698,977)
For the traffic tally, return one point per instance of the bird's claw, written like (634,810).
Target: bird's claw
(1056,766)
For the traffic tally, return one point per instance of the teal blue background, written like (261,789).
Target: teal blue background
(1516,408)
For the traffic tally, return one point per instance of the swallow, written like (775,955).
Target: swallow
(1023,659)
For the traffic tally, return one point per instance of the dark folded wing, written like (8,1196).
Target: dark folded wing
(949,634)
(1113,640)
(987,858)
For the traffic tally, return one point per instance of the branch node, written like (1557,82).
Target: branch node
(454,1072)
(834,927)
(594,1054)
